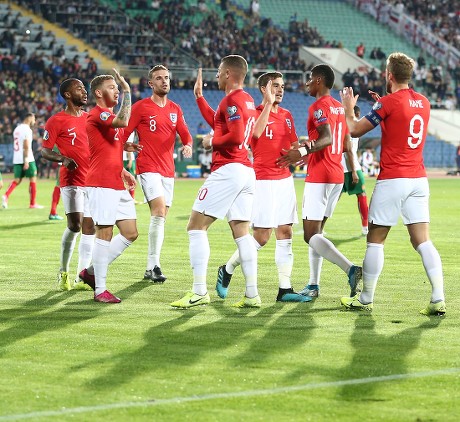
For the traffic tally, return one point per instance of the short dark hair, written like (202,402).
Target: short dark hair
(97,82)
(326,72)
(237,63)
(156,68)
(66,85)
(27,114)
(269,76)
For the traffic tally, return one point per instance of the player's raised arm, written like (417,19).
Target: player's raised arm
(123,115)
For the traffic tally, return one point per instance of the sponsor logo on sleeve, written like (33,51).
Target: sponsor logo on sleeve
(377,106)
(231,110)
(317,114)
(104,116)
(46,135)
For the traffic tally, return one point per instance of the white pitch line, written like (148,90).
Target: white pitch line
(244,394)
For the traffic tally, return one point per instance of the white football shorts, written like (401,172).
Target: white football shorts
(107,206)
(392,198)
(75,199)
(227,192)
(155,185)
(275,203)
(319,200)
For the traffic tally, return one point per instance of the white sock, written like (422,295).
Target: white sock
(316,264)
(326,249)
(117,245)
(433,267)
(284,259)
(372,268)
(68,241)
(235,261)
(199,256)
(85,251)
(156,237)
(248,257)
(100,264)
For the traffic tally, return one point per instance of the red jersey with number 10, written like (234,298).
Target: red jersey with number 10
(325,166)
(233,126)
(106,150)
(157,128)
(403,117)
(68,133)
(279,134)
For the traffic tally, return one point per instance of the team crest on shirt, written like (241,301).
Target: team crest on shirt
(231,110)
(46,135)
(288,122)
(377,106)
(104,115)
(173,117)
(317,114)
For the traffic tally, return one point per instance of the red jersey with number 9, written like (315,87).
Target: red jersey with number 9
(325,166)
(106,150)
(403,117)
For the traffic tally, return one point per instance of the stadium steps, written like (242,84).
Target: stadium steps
(68,39)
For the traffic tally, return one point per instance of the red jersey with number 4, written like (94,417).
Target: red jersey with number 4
(68,133)
(279,134)
(325,166)
(403,117)
(157,128)
(106,150)
(233,125)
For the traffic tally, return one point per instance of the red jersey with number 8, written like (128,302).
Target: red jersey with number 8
(325,166)
(403,117)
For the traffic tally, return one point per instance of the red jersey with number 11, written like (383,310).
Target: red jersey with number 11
(325,166)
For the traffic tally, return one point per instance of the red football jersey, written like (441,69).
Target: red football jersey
(233,127)
(157,128)
(325,166)
(106,150)
(279,134)
(403,117)
(68,133)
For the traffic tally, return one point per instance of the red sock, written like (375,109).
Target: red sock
(55,200)
(363,208)
(11,188)
(33,192)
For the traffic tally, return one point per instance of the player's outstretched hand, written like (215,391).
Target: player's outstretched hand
(128,179)
(289,157)
(269,94)
(348,99)
(198,88)
(132,147)
(374,95)
(120,80)
(186,151)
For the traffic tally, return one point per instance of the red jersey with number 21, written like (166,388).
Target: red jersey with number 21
(325,166)
(403,117)
(106,150)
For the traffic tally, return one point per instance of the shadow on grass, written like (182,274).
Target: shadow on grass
(174,346)
(39,314)
(23,225)
(378,355)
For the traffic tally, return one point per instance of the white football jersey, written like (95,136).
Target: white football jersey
(346,165)
(20,134)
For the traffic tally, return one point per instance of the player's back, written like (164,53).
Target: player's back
(20,134)
(406,114)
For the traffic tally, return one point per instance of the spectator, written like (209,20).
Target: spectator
(360,50)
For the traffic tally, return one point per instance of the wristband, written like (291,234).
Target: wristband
(303,151)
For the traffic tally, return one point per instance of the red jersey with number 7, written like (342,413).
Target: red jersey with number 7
(403,117)
(68,133)
(325,166)
(233,125)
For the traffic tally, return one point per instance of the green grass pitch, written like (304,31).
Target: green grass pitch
(65,357)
